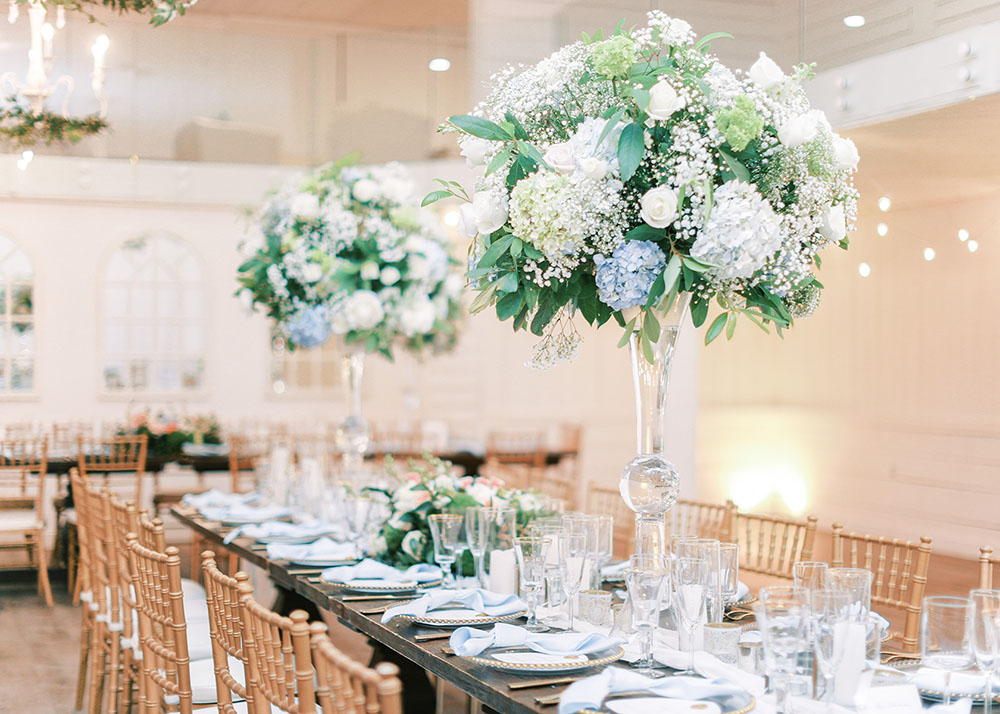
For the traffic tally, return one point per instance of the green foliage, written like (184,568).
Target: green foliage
(160,11)
(22,127)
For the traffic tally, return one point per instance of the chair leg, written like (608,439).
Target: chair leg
(81,677)
(97,667)
(72,564)
(43,571)
(114,673)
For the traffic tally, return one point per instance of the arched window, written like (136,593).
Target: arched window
(154,318)
(17,320)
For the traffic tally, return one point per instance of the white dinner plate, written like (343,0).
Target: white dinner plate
(458,617)
(525,661)
(375,586)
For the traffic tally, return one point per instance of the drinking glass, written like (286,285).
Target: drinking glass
(531,553)
(783,615)
(690,576)
(589,526)
(605,542)
(645,590)
(556,532)
(810,574)
(476,521)
(706,549)
(830,617)
(573,559)
(359,511)
(729,571)
(445,531)
(946,636)
(985,610)
(501,529)
(857,583)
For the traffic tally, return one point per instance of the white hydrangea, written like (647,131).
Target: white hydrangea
(741,233)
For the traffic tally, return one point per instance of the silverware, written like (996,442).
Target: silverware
(357,598)
(558,681)
(433,636)
(447,651)
(547,701)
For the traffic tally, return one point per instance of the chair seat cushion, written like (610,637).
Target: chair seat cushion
(68,516)
(203,689)
(18,520)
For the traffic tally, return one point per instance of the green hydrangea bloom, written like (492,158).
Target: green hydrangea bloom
(741,124)
(613,57)
(803,302)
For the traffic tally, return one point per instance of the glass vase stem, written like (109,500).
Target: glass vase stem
(353,436)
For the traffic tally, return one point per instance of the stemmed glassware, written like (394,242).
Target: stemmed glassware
(729,571)
(573,560)
(646,578)
(605,545)
(445,531)
(359,511)
(985,611)
(811,575)
(946,636)
(531,554)
(706,549)
(689,578)
(477,520)
(783,614)
(830,618)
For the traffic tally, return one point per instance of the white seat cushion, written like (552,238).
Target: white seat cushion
(191,589)
(203,679)
(199,641)
(240,707)
(20,521)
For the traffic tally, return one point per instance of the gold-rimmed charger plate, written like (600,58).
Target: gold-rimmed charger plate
(478,619)
(407,586)
(933,695)
(570,663)
(745,602)
(727,706)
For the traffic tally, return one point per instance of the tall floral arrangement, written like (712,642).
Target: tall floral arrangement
(619,173)
(166,434)
(345,250)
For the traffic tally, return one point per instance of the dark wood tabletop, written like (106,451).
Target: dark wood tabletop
(486,685)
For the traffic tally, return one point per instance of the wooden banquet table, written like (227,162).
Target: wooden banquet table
(485,685)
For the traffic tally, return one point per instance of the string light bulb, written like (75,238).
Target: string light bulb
(884,204)
(929,254)
(882,229)
(963,235)
(864,270)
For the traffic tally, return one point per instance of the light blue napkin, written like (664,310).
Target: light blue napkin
(324,550)
(282,531)
(468,641)
(591,692)
(493,604)
(369,569)
(216,498)
(242,513)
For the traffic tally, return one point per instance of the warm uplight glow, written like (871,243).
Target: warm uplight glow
(884,204)
(100,47)
(864,270)
(929,254)
(451,218)
(963,235)
(439,64)
(854,20)
(750,487)
(973,246)
(882,229)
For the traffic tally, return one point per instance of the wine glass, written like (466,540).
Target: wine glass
(531,553)
(690,576)
(830,617)
(985,610)
(783,614)
(857,582)
(573,559)
(810,574)
(605,543)
(729,571)
(445,530)
(359,510)
(476,522)
(645,590)
(706,549)
(946,636)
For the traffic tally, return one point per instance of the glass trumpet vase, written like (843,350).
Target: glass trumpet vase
(650,483)
(353,434)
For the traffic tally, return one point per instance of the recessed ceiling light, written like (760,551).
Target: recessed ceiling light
(884,204)
(963,235)
(864,270)
(929,254)
(439,64)
(882,229)
(854,20)
(973,246)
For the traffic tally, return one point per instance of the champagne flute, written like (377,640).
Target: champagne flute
(445,530)
(531,553)
(476,521)
(573,559)
(359,509)
(830,616)
(689,576)
(946,636)
(706,549)
(729,571)
(985,610)
(605,543)
(645,590)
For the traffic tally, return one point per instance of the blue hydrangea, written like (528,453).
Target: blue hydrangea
(310,327)
(624,279)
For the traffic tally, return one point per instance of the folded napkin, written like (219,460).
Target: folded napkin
(369,569)
(282,531)
(216,498)
(961,682)
(710,667)
(468,641)
(483,601)
(614,570)
(895,699)
(742,591)
(323,550)
(591,692)
(243,513)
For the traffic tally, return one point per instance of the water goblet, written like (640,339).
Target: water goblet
(985,611)
(359,511)
(830,618)
(783,615)
(946,636)
(729,571)
(645,590)
(531,554)
(573,560)
(706,549)
(857,582)
(689,578)
(810,574)
(445,531)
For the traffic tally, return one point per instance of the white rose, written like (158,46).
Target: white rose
(305,206)
(365,190)
(846,153)
(658,207)
(594,167)
(416,316)
(474,150)
(663,100)
(311,272)
(369,270)
(397,189)
(485,214)
(453,285)
(798,130)
(390,275)
(765,72)
(561,158)
(481,492)
(834,226)
(364,310)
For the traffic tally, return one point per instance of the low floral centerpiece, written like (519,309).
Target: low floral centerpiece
(637,178)
(166,435)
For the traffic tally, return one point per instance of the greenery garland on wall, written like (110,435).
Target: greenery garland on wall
(159,11)
(21,126)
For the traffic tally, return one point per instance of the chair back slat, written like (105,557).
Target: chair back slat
(987,563)
(345,686)
(899,574)
(222,594)
(702,519)
(771,545)
(116,455)
(23,463)
(526,448)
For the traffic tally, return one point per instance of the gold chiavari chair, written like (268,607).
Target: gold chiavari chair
(987,563)
(83,584)
(345,686)
(526,448)
(243,455)
(152,536)
(124,521)
(401,444)
(702,519)
(771,545)
(22,490)
(229,656)
(609,502)
(117,455)
(900,574)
